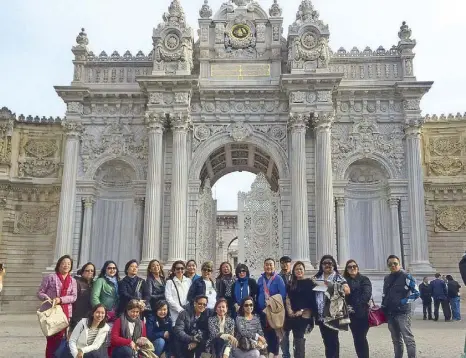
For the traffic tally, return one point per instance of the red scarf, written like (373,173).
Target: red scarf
(65,285)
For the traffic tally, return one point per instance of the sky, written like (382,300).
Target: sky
(36,39)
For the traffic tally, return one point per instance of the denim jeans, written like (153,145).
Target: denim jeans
(400,329)
(285,344)
(160,346)
(455,308)
(122,352)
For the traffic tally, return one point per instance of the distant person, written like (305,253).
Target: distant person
(454,297)
(399,291)
(2,275)
(440,296)
(426,296)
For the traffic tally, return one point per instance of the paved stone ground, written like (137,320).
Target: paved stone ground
(20,337)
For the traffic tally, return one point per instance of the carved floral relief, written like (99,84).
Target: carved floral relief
(32,220)
(450,218)
(39,159)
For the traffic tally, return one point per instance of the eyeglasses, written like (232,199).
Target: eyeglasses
(89,270)
(201,304)
(243,271)
(390,264)
(327,263)
(207,270)
(111,268)
(352,267)
(248,305)
(179,268)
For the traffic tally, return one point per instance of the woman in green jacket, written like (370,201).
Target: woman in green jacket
(105,288)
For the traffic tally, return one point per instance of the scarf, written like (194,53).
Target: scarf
(241,289)
(137,333)
(65,285)
(228,281)
(113,280)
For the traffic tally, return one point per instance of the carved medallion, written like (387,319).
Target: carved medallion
(32,221)
(452,218)
(446,166)
(41,148)
(240,31)
(239,131)
(309,40)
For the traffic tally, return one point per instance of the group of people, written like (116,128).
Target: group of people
(186,314)
(443,291)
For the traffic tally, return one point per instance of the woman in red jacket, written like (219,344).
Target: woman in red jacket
(126,331)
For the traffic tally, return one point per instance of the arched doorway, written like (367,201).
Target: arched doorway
(260,215)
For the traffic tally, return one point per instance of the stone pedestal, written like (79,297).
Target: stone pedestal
(151,244)
(299,210)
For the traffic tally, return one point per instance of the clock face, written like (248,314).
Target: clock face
(240,31)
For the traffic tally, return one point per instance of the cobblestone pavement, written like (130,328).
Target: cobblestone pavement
(20,337)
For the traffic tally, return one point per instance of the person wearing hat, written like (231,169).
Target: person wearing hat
(285,274)
(204,286)
(132,287)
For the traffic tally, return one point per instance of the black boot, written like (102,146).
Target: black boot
(299,347)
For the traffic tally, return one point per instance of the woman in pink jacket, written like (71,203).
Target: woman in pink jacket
(59,287)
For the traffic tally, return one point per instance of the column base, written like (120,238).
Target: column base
(421,267)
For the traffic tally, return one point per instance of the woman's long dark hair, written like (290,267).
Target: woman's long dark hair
(90,318)
(241,267)
(294,280)
(220,274)
(241,307)
(173,271)
(104,269)
(321,269)
(346,273)
(162,275)
(186,265)
(82,269)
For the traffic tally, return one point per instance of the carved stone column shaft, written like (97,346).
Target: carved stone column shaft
(151,245)
(179,189)
(87,228)
(299,209)
(343,244)
(395,225)
(64,245)
(324,187)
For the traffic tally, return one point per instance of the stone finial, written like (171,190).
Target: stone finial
(175,14)
(275,10)
(405,33)
(306,11)
(206,11)
(82,39)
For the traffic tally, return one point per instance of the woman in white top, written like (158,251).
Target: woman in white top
(90,333)
(176,289)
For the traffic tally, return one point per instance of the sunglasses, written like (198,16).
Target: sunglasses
(327,263)
(243,271)
(111,268)
(352,267)
(179,268)
(390,264)
(248,305)
(202,304)
(207,270)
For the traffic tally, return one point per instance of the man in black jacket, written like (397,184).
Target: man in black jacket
(454,297)
(426,297)
(440,296)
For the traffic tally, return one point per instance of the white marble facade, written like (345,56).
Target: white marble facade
(334,135)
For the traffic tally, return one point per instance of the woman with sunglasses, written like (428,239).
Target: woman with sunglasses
(105,288)
(204,286)
(82,306)
(248,331)
(244,287)
(176,289)
(358,299)
(326,276)
(300,304)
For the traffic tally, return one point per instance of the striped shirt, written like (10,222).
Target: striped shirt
(92,333)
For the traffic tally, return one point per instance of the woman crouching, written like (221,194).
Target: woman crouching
(89,335)
(126,331)
(221,331)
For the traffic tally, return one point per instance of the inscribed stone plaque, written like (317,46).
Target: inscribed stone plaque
(239,70)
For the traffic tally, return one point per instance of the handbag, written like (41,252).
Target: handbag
(52,320)
(376,315)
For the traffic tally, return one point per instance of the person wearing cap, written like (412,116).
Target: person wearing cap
(204,286)
(285,274)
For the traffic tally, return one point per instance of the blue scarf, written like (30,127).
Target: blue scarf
(241,289)
(114,281)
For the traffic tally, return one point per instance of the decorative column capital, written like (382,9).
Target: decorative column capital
(298,122)
(88,202)
(155,121)
(323,120)
(180,121)
(340,201)
(72,129)
(393,201)
(74,107)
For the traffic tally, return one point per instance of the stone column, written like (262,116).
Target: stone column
(64,244)
(395,226)
(343,244)
(151,243)
(84,256)
(179,186)
(324,185)
(419,244)
(299,210)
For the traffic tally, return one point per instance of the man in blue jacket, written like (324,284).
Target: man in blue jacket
(269,284)
(440,296)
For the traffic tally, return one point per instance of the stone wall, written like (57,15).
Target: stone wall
(30,177)
(444,145)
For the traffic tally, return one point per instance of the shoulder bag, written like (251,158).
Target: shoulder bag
(52,320)
(376,315)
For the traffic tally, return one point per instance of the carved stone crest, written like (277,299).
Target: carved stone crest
(451,218)
(446,166)
(32,220)
(239,131)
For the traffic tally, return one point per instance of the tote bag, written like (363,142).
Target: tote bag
(52,320)
(376,315)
